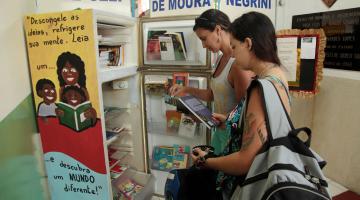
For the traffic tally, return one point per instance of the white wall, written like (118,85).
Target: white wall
(14,75)
(334,114)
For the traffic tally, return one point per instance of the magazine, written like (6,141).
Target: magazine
(196,107)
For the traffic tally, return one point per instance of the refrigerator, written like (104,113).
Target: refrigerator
(169,47)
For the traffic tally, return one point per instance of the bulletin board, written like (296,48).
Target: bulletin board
(302,54)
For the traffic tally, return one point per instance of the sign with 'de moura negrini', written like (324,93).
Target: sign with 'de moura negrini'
(342,29)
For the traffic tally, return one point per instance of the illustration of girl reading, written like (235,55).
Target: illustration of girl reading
(74,111)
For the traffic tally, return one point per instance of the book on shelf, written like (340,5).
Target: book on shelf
(113,162)
(74,116)
(110,135)
(172,120)
(111,55)
(153,45)
(199,110)
(187,127)
(113,132)
(181,78)
(162,158)
(117,170)
(166,48)
(128,188)
(178,44)
(114,39)
(166,158)
(180,161)
(153,50)
(111,151)
(165,45)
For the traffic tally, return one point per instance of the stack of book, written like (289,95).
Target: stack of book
(111,55)
(164,45)
(115,164)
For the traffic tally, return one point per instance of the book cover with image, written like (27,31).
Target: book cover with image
(128,189)
(166,158)
(187,126)
(178,44)
(172,120)
(153,45)
(166,48)
(74,117)
(162,158)
(181,78)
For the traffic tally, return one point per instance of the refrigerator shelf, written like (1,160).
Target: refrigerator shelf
(118,72)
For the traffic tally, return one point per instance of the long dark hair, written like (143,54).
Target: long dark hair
(260,29)
(210,18)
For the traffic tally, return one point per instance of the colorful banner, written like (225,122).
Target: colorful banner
(62,57)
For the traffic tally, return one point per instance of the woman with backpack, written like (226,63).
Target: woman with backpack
(253,43)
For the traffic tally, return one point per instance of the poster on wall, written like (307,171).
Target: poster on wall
(65,91)
(166,8)
(235,8)
(342,30)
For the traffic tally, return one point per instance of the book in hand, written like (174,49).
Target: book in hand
(199,110)
(74,117)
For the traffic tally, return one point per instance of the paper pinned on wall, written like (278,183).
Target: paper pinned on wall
(287,51)
(308,48)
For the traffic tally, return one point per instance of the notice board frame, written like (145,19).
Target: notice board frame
(309,72)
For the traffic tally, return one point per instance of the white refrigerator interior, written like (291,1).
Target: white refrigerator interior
(158,133)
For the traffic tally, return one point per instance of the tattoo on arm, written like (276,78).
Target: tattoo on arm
(260,133)
(251,129)
(249,133)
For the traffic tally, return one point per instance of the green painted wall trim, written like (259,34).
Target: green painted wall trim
(19,175)
(16,130)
